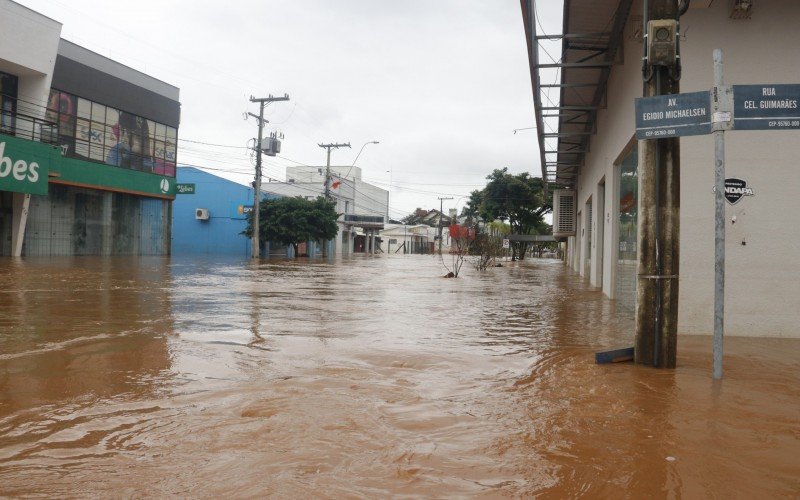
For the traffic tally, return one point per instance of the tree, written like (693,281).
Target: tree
(461,240)
(416,217)
(472,209)
(291,221)
(519,199)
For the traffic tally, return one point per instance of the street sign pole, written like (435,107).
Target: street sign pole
(719,123)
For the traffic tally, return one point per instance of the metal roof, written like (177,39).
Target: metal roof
(591,36)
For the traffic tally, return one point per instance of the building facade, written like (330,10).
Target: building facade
(364,208)
(600,160)
(89,147)
(209,215)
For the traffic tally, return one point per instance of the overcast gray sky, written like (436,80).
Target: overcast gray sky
(440,83)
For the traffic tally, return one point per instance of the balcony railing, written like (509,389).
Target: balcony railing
(28,127)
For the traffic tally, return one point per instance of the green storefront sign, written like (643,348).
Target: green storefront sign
(25,165)
(101,176)
(184,188)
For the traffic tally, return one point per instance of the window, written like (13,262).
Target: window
(8,102)
(628,185)
(95,132)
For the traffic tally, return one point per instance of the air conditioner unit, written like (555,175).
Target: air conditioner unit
(201,214)
(563,214)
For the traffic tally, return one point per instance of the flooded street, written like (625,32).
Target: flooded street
(370,377)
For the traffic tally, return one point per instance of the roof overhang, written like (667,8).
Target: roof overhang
(590,39)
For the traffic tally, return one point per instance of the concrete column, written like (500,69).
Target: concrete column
(108,227)
(19,219)
(599,209)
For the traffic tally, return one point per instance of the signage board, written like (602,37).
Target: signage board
(184,188)
(99,175)
(506,243)
(766,107)
(673,115)
(24,165)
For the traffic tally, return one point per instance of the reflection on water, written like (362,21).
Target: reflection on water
(368,377)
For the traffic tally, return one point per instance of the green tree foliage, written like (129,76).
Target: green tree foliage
(291,221)
(413,218)
(472,209)
(519,199)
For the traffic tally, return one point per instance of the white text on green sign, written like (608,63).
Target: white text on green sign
(184,188)
(24,165)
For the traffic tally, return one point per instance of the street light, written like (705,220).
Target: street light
(359,154)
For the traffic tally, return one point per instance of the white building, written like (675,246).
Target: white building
(364,207)
(600,160)
(413,238)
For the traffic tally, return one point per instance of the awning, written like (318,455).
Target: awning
(566,107)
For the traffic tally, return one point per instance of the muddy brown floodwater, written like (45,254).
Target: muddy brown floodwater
(369,377)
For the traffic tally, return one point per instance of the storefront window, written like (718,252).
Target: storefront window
(627,252)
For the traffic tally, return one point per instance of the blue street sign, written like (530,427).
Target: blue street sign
(766,107)
(673,115)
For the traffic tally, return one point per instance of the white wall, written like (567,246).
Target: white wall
(366,199)
(763,276)
(307,173)
(371,200)
(28,49)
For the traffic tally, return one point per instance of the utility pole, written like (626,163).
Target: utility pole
(659,198)
(441,207)
(328,179)
(262,101)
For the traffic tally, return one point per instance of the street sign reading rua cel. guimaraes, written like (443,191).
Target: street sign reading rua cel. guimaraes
(766,107)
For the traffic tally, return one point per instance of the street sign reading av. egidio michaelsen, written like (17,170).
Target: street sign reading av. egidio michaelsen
(673,115)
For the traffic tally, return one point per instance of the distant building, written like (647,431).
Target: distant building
(364,207)
(88,147)
(411,239)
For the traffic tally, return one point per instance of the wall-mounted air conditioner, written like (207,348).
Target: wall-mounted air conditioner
(563,214)
(201,214)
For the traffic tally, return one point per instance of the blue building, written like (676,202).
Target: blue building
(209,214)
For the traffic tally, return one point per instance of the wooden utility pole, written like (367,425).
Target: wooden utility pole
(262,101)
(659,219)
(328,180)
